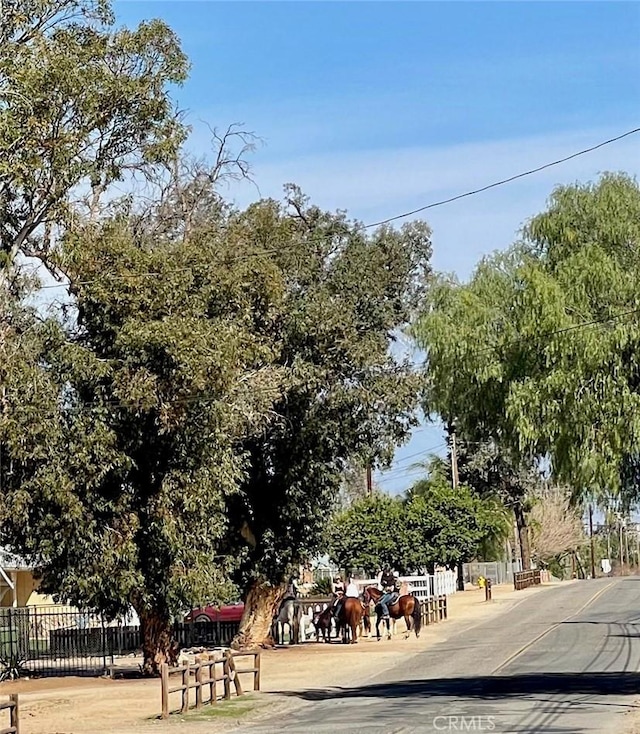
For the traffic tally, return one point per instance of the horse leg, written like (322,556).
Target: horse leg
(378,627)
(388,629)
(354,631)
(409,622)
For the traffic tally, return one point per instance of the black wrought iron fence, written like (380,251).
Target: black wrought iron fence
(64,641)
(51,641)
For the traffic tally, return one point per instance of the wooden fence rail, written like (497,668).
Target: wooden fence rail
(524,579)
(206,675)
(13,707)
(434,610)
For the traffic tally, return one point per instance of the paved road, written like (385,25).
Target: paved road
(564,661)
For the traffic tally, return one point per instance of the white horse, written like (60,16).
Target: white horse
(290,613)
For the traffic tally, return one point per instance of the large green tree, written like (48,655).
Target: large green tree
(344,294)
(192,422)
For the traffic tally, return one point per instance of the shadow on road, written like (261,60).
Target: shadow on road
(486,687)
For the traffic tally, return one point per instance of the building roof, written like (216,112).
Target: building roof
(12,562)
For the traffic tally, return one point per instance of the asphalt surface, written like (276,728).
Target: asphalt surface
(565,661)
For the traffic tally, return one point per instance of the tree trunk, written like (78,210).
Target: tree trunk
(260,607)
(523,535)
(158,645)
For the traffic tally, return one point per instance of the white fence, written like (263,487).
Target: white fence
(441,583)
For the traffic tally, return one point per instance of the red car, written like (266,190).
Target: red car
(210,613)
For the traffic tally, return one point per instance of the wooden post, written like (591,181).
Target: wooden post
(15,712)
(593,552)
(185,688)
(213,693)
(199,669)
(256,674)
(164,676)
(226,677)
(235,676)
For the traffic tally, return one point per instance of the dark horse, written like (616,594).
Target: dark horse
(407,606)
(349,618)
(322,623)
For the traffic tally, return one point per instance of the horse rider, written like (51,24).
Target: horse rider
(352,589)
(388,583)
(292,591)
(337,588)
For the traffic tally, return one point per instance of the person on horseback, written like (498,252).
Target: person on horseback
(352,588)
(292,591)
(337,587)
(388,583)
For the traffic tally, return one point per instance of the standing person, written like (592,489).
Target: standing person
(388,583)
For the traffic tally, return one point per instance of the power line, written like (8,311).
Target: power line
(562,330)
(432,205)
(404,459)
(395,471)
(213,397)
(503,181)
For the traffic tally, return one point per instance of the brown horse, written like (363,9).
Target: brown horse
(322,623)
(407,606)
(349,618)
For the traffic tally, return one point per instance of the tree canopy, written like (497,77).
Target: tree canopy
(435,524)
(196,416)
(536,352)
(82,105)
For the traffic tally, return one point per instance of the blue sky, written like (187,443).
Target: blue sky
(382,107)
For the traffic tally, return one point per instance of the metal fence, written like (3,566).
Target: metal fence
(64,641)
(500,572)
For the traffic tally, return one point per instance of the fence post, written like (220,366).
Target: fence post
(14,713)
(199,666)
(213,692)
(226,677)
(185,688)
(234,672)
(164,676)
(256,674)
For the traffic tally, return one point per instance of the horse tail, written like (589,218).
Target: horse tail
(417,616)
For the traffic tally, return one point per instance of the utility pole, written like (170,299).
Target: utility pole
(593,554)
(454,460)
(621,548)
(454,482)
(626,546)
(369,480)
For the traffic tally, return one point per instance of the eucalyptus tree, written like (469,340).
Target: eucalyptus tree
(83,105)
(192,424)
